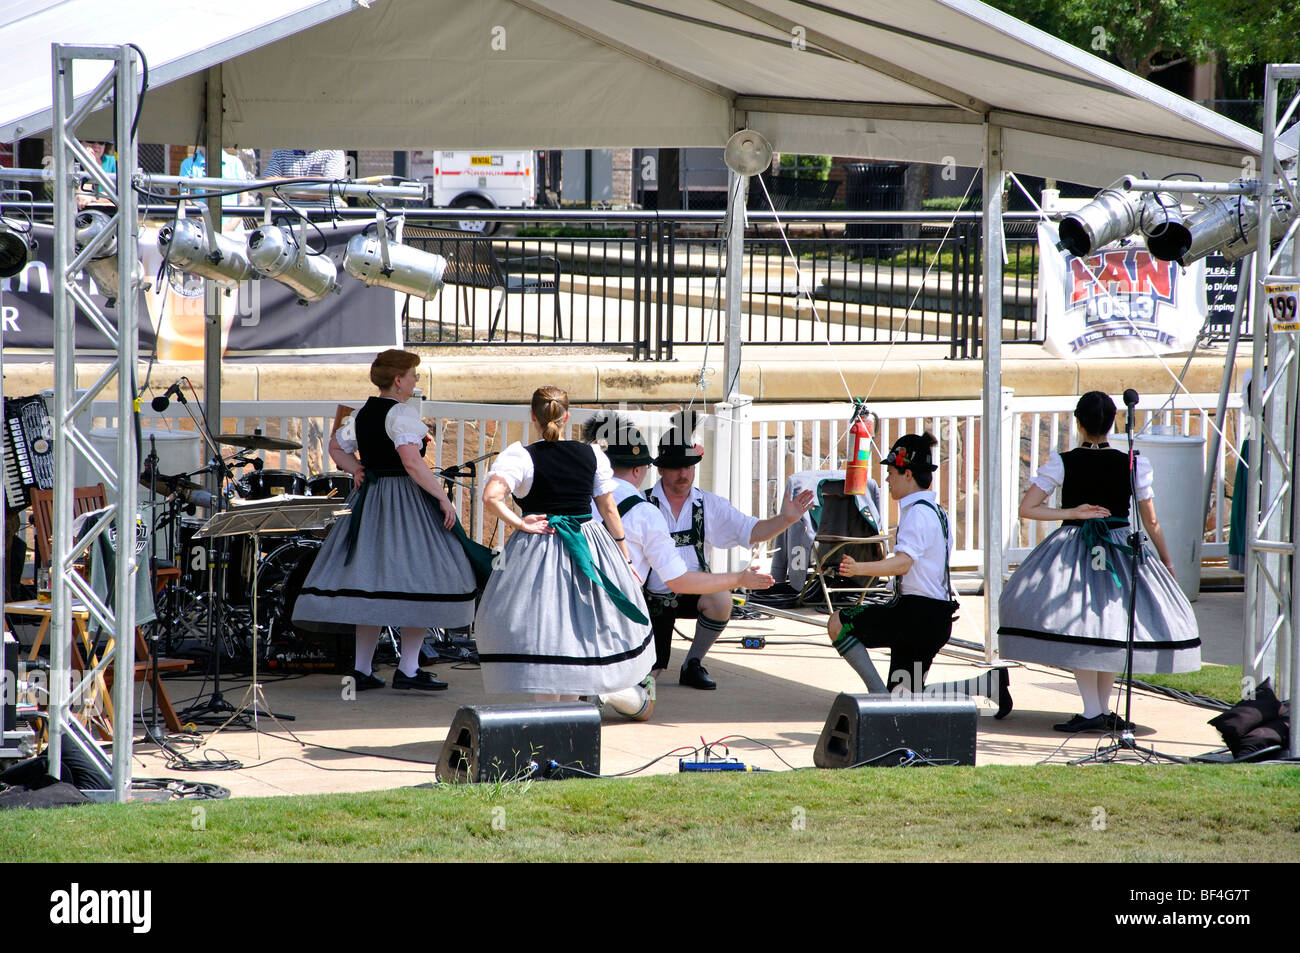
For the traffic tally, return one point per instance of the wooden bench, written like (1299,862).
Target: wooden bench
(472,262)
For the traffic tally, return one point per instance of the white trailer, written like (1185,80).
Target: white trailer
(478,179)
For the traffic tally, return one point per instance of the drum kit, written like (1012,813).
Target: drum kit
(243,552)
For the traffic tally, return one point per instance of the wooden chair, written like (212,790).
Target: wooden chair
(472,262)
(85,499)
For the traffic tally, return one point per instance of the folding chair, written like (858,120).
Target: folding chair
(846,526)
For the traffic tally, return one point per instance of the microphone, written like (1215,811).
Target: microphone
(162,402)
(1130,397)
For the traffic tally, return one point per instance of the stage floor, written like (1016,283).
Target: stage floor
(779,696)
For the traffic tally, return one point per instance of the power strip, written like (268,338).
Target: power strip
(720,764)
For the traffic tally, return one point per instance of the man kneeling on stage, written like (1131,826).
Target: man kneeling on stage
(917,623)
(708,520)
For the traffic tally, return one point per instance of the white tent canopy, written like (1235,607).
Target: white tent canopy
(907,80)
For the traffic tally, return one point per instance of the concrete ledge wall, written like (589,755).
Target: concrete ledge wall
(512,379)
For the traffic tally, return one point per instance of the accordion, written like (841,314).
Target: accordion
(28,450)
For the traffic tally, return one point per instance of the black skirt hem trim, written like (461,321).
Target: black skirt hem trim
(1104,643)
(404,596)
(566,659)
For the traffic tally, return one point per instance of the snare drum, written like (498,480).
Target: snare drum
(263,484)
(337,480)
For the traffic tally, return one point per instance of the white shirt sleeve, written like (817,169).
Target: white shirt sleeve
(725,526)
(652,537)
(916,533)
(346,434)
(515,466)
(403,425)
(1050,475)
(605,482)
(1145,479)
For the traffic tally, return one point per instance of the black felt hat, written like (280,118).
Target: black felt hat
(623,441)
(677,445)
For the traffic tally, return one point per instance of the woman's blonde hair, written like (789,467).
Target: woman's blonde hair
(390,365)
(550,404)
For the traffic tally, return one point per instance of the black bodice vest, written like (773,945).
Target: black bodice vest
(564,473)
(373,443)
(1098,477)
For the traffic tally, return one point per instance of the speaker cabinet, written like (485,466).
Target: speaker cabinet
(499,742)
(862,728)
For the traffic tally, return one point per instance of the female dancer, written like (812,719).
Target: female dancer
(1067,604)
(563,615)
(393,561)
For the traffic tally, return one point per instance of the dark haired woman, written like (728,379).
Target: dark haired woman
(394,560)
(563,613)
(1067,604)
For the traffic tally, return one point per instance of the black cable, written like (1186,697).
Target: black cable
(144,88)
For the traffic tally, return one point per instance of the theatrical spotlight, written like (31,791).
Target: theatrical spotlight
(1231,225)
(276,252)
(196,248)
(376,260)
(1116,214)
(16,247)
(103,267)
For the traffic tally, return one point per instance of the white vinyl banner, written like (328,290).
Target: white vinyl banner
(1117,302)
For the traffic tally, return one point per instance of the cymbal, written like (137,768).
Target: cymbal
(255,441)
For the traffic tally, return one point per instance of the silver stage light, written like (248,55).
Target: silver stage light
(374,260)
(1112,215)
(16,248)
(747,153)
(103,267)
(1231,225)
(197,249)
(1168,237)
(276,252)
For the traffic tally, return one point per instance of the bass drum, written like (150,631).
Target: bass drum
(264,484)
(288,648)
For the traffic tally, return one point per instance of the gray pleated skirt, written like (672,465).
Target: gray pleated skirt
(1059,610)
(407,569)
(544,627)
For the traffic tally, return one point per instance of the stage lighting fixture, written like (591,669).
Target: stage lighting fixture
(103,266)
(197,249)
(1112,215)
(277,252)
(1166,232)
(378,261)
(16,248)
(1230,224)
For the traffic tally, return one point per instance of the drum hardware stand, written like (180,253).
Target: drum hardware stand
(256,519)
(454,474)
(1124,739)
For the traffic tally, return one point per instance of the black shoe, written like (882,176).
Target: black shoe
(1004,693)
(1079,723)
(420,682)
(695,675)
(366,682)
(1115,723)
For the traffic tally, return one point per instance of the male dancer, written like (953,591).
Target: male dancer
(918,622)
(698,520)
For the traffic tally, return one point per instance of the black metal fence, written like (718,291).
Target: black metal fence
(653,281)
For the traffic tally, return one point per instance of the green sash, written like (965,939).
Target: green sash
(1096,532)
(568,529)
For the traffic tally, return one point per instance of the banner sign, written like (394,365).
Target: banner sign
(1119,302)
(261,319)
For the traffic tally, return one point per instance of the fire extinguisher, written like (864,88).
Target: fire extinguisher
(856,470)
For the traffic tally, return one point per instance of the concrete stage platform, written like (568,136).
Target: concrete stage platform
(779,696)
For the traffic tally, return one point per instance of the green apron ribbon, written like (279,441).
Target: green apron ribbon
(1096,533)
(359,504)
(479,556)
(567,528)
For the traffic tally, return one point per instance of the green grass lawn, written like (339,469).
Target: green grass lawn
(998,813)
(1216,681)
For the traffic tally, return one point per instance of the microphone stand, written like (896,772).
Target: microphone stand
(1124,739)
(151,733)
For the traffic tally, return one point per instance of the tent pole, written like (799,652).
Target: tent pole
(736,191)
(212,298)
(991,463)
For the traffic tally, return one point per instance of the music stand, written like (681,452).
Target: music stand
(257,518)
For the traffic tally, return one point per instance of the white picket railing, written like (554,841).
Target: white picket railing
(768,443)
